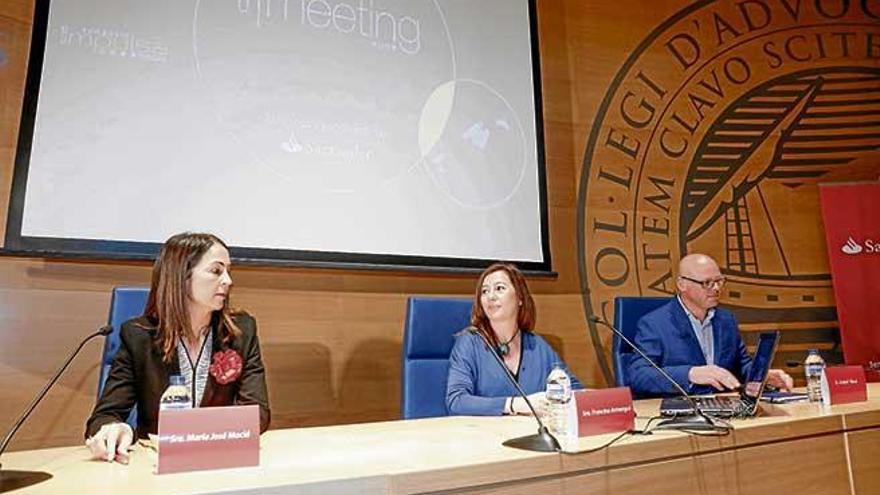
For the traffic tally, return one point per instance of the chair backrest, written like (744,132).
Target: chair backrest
(627,312)
(427,342)
(125,304)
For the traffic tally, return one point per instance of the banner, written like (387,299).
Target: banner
(851,213)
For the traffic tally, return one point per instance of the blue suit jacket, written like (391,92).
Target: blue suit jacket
(667,337)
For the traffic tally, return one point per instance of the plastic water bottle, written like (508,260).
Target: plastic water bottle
(176,396)
(558,394)
(813,366)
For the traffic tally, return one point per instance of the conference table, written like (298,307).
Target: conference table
(796,448)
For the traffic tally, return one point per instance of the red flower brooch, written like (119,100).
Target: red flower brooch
(226,366)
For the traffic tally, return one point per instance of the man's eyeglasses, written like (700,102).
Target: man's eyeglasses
(707,284)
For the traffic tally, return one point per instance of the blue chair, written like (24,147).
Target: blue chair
(427,342)
(125,304)
(627,312)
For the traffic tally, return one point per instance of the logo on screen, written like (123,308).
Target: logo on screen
(313,90)
(384,29)
(381,27)
(112,42)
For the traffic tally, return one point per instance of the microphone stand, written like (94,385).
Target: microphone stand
(542,441)
(699,421)
(11,479)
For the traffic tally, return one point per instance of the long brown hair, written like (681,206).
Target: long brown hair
(169,291)
(525,317)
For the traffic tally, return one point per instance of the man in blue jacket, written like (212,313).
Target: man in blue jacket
(692,339)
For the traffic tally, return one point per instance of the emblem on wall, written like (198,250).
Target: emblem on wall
(713,137)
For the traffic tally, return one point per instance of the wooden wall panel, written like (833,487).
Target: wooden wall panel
(331,338)
(635,187)
(15,23)
(864,454)
(815,466)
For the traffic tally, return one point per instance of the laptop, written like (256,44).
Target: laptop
(728,406)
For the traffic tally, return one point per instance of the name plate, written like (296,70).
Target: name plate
(208,438)
(604,411)
(844,384)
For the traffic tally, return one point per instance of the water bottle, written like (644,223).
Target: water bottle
(558,394)
(176,396)
(813,366)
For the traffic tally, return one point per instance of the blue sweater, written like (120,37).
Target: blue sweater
(477,386)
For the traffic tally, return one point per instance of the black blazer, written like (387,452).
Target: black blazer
(138,376)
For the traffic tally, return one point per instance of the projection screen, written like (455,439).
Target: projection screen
(389,133)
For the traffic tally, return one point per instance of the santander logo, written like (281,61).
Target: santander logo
(852,247)
(867,246)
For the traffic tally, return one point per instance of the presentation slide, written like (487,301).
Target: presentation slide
(401,128)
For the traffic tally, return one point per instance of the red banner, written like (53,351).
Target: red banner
(852,230)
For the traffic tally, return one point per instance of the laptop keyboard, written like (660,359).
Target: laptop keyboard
(724,407)
(716,403)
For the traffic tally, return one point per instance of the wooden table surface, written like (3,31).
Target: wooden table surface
(796,448)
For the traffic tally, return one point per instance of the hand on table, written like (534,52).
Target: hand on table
(112,443)
(780,379)
(538,400)
(715,376)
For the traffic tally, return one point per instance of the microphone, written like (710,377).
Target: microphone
(542,441)
(12,480)
(700,421)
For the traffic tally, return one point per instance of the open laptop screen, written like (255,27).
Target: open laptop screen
(761,364)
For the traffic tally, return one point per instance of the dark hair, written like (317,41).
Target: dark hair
(525,317)
(167,302)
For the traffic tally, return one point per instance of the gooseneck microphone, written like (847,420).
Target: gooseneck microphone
(12,480)
(542,441)
(699,421)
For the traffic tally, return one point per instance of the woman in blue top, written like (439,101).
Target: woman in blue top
(504,313)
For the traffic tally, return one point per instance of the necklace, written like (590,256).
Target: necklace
(504,347)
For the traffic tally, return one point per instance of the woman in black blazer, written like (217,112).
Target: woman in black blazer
(187,329)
